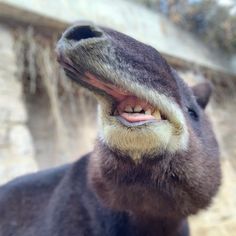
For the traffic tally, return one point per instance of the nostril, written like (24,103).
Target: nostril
(82,32)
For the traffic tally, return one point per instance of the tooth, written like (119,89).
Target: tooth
(137,108)
(128,109)
(148,112)
(157,115)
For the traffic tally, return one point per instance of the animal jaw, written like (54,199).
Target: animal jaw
(158,125)
(155,137)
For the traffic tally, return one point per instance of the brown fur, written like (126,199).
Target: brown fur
(144,182)
(163,184)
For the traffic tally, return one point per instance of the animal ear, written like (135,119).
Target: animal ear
(202,92)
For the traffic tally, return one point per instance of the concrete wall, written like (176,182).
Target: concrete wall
(16,149)
(125,16)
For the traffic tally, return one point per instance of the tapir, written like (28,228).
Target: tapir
(155,159)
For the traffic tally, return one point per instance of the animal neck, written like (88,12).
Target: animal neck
(125,186)
(146,225)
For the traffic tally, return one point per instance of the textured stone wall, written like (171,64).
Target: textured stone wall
(16,148)
(125,16)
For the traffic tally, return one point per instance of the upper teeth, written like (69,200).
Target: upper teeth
(138,108)
(128,109)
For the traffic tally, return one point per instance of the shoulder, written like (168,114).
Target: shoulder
(33,183)
(43,182)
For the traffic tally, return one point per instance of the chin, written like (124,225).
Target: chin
(136,139)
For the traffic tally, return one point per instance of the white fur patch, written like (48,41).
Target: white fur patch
(171,135)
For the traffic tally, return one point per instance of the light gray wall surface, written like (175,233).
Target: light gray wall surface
(127,17)
(16,147)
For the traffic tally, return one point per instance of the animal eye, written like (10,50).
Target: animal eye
(193,114)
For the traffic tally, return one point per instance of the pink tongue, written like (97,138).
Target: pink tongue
(134,117)
(137,117)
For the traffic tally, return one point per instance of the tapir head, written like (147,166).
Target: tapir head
(144,107)
(156,151)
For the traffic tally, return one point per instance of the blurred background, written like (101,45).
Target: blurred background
(46,120)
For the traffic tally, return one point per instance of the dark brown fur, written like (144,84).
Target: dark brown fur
(106,193)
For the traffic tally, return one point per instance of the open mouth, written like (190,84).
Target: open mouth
(129,110)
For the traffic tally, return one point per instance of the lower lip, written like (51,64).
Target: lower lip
(135,124)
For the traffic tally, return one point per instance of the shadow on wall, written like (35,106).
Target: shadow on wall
(61,115)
